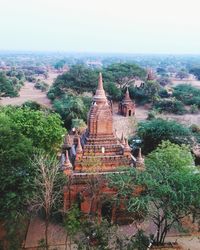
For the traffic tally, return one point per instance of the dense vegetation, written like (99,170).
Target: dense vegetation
(9,86)
(22,133)
(154,131)
(83,79)
(187,94)
(169,188)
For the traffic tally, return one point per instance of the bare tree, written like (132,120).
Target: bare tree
(48,187)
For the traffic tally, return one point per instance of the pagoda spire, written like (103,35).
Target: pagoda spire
(67,161)
(122,139)
(126,147)
(127,95)
(79,147)
(100,82)
(100,93)
(140,161)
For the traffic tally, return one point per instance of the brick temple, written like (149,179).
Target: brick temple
(88,157)
(126,106)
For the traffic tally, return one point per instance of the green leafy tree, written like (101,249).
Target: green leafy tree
(42,127)
(80,79)
(195,71)
(152,132)
(124,73)
(16,172)
(169,187)
(188,94)
(22,131)
(70,107)
(7,86)
(170,105)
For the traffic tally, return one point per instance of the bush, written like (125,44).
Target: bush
(187,94)
(42,86)
(170,105)
(154,131)
(194,109)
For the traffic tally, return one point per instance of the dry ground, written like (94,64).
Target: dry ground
(57,236)
(29,93)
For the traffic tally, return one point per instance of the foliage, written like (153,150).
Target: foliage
(194,109)
(42,127)
(78,124)
(72,222)
(94,235)
(195,71)
(8,86)
(188,94)
(170,187)
(84,79)
(147,92)
(163,81)
(16,173)
(154,131)
(32,105)
(124,73)
(182,74)
(70,107)
(43,86)
(80,78)
(60,64)
(170,105)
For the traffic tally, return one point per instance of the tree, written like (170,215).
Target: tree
(154,131)
(172,186)
(170,105)
(124,73)
(182,74)
(48,187)
(7,87)
(80,79)
(16,178)
(71,107)
(42,127)
(60,64)
(169,187)
(195,71)
(16,172)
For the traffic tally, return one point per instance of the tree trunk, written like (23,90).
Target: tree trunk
(46,232)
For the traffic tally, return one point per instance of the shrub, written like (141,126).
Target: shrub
(154,131)
(170,105)
(194,109)
(42,86)
(188,94)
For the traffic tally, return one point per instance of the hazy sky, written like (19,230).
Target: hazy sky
(136,26)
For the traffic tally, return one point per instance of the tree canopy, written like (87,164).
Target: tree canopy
(169,187)
(43,128)
(152,132)
(81,78)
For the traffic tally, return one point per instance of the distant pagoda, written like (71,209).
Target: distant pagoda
(126,106)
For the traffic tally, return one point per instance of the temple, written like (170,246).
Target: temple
(126,106)
(94,153)
(150,75)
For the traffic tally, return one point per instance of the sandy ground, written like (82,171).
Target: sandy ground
(187,242)
(29,93)
(194,83)
(57,235)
